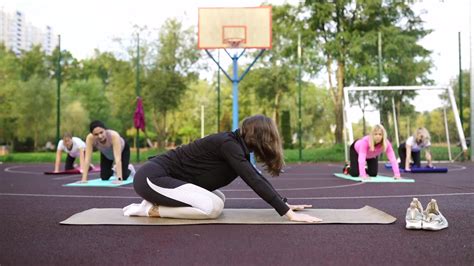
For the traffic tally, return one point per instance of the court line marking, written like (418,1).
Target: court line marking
(282,189)
(293,198)
(459,167)
(9,170)
(304,188)
(61,177)
(75,176)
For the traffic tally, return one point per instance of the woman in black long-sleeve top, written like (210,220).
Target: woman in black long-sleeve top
(184,182)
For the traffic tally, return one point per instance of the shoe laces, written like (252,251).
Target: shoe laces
(417,204)
(432,208)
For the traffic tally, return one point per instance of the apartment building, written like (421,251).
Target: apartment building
(19,35)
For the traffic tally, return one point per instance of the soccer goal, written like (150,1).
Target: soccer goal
(348,123)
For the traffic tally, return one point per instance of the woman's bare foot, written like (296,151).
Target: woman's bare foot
(154,211)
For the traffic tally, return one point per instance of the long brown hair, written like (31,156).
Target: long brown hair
(261,136)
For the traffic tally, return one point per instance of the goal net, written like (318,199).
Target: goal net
(393,108)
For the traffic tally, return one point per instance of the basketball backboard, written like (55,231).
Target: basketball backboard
(235,27)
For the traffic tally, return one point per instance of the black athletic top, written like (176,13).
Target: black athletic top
(215,161)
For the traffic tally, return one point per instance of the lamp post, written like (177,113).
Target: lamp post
(58,82)
(138,94)
(300,145)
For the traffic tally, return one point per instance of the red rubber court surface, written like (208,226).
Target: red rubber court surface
(33,204)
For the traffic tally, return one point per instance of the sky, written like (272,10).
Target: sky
(88,24)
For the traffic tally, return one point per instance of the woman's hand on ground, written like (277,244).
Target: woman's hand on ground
(301,217)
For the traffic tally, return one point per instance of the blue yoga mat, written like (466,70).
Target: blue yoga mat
(421,169)
(377,179)
(100,183)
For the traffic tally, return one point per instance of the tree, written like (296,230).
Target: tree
(35,115)
(70,66)
(75,119)
(33,63)
(170,75)
(92,96)
(466,98)
(346,30)
(270,85)
(9,77)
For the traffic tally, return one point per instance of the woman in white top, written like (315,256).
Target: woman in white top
(411,149)
(112,147)
(74,147)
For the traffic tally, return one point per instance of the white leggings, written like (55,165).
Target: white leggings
(203,204)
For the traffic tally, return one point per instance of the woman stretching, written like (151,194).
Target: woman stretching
(411,149)
(112,147)
(184,182)
(366,151)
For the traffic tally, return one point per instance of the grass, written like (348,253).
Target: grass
(324,154)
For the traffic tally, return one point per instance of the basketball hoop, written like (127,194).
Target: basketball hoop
(234,42)
(235,27)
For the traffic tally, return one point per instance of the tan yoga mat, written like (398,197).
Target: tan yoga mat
(365,215)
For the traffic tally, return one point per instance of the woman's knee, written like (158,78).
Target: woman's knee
(372,173)
(354,172)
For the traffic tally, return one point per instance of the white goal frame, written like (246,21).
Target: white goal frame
(349,133)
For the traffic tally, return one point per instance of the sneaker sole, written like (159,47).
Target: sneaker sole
(431,228)
(413,225)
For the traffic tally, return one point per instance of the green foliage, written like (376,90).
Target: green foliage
(34,115)
(33,63)
(68,67)
(9,78)
(92,95)
(338,36)
(323,154)
(348,33)
(464,95)
(170,75)
(75,119)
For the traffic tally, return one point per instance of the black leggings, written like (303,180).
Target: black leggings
(158,176)
(106,165)
(415,155)
(176,198)
(69,162)
(372,164)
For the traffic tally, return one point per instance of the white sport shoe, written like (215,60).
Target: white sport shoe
(132,170)
(414,216)
(432,217)
(135,209)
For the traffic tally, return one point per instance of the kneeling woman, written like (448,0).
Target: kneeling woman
(112,147)
(183,183)
(366,151)
(411,149)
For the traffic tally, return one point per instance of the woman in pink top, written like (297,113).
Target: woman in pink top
(366,151)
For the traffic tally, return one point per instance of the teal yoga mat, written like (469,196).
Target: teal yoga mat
(377,179)
(100,183)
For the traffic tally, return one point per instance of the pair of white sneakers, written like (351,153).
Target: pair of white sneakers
(429,219)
